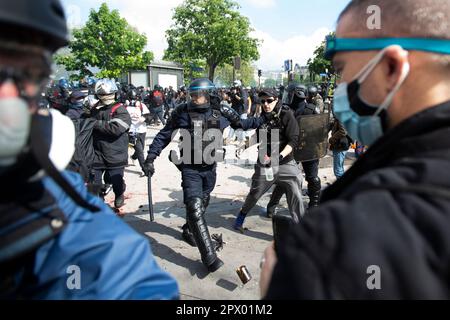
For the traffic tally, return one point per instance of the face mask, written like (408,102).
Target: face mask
(15,122)
(363,122)
(108,99)
(32,145)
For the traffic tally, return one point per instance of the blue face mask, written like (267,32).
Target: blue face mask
(363,122)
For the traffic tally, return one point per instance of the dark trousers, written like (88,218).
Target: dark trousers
(139,149)
(311,169)
(158,113)
(198,182)
(112,176)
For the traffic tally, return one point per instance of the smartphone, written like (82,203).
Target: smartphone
(281,225)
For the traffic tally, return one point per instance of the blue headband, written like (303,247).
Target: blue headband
(334,44)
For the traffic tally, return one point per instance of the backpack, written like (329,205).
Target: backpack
(157,99)
(114,109)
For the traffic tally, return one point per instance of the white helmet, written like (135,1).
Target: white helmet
(237,83)
(105,87)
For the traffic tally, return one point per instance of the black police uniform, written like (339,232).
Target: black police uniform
(198,180)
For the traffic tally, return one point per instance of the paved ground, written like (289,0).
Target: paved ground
(183,261)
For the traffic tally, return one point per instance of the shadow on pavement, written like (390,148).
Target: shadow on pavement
(227,285)
(164,252)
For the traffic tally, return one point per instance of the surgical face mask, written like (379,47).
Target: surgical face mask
(15,120)
(107,99)
(32,145)
(363,122)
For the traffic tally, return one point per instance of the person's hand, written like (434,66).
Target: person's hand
(267,161)
(230,114)
(149,168)
(268,262)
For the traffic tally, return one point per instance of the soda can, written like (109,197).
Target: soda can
(244,274)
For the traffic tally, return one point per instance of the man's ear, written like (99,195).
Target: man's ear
(396,60)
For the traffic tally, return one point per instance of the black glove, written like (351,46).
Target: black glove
(231,115)
(149,168)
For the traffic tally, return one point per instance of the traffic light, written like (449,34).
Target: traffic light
(259,73)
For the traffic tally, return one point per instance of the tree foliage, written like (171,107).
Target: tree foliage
(270,83)
(318,64)
(107,42)
(224,74)
(212,31)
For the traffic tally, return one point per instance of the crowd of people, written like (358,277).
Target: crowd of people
(56,169)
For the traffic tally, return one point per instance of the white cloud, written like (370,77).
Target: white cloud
(150,17)
(154,17)
(262,3)
(273,52)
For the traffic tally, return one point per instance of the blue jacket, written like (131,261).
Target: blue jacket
(115,262)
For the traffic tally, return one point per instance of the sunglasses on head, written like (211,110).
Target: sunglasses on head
(269,101)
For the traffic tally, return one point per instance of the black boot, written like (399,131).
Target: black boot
(199,229)
(188,236)
(119,202)
(206,201)
(314,188)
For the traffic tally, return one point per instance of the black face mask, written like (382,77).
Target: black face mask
(199,107)
(362,108)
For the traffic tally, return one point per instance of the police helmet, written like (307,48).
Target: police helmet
(90,82)
(312,91)
(202,87)
(292,91)
(40,23)
(105,87)
(132,94)
(64,84)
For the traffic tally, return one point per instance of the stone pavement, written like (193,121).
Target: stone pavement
(164,234)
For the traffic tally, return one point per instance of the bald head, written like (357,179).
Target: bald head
(399,18)
(402,18)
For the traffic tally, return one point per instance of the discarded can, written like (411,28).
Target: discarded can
(244,274)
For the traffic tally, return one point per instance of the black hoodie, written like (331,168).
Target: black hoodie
(387,218)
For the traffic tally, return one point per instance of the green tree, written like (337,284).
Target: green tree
(212,31)
(107,42)
(269,83)
(318,64)
(224,74)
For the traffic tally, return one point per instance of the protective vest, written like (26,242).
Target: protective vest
(201,135)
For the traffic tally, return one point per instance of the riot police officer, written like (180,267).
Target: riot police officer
(315,98)
(295,98)
(59,97)
(202,111)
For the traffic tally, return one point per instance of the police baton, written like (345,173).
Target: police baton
(150,201)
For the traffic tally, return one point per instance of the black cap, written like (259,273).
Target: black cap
(268,92)
(44,17)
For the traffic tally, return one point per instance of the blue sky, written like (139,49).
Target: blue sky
(290,29)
